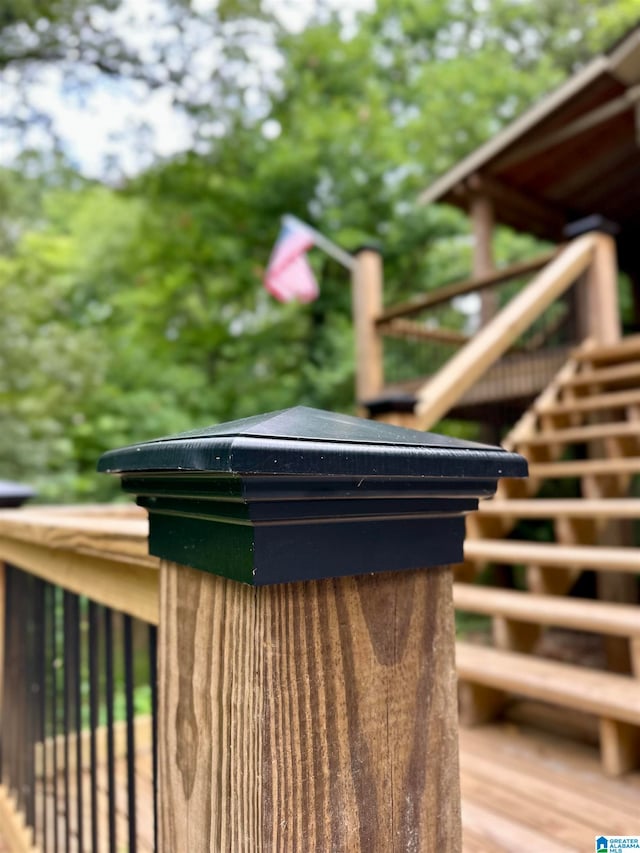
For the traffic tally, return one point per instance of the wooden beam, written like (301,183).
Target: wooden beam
(308,716)
(601,282)
(409,329)
(503,194)
(466,367)
(468,285)
(482,225)
(512,551)
(582,124)
(367,307)
(130,588)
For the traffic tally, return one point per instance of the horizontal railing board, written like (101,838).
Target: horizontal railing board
(585,467)
(116,536)
(579,614)
(588,432)
(592,403)
(563,507)
(599,558)
(625,349)
(605,694)
(605,375)
(125,586)
(460,288)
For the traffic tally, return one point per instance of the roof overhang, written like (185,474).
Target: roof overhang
(565,157)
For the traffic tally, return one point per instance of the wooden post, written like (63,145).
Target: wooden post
(598,310)
(482,224)
(307,691)
(367,307)
(308,716)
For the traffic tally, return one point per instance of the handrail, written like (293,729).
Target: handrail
(79,609)
(438,396)
(409,329)
(460,288)
(103,557)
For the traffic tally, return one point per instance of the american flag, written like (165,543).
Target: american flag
(289,275)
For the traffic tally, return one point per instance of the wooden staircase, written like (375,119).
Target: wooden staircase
(582,440)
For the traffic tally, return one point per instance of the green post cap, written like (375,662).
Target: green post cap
(304,494)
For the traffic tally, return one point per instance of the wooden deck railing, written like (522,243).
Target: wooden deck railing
(591,253)
(78,616)
(311,706)
(440,356)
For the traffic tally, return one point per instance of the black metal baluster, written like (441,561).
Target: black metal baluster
(30,688)
(10,700)
(21,687)
(55,665)
(4,675)
(153,680)
(93,719)
(48,654)
(38,693)
(66,713)
(77,710)
(131,746)
(109,695)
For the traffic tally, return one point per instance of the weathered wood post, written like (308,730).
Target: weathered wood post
(366,300)
(598,310)
(307,691)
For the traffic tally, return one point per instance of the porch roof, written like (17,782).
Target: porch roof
(573,154)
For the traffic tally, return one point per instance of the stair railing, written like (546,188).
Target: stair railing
(590,256)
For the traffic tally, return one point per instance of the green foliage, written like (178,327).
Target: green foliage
(135,312)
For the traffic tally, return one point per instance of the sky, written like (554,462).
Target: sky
(112,122)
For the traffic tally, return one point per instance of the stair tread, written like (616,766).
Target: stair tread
(627,348)
(577,613)
(583,467)
(588,432)
(569,507)
(604,375)
(598,557)
(603,693)
(613,399)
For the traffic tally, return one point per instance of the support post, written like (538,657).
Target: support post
(482,224)
(308,716)
(597,295)
(367,307)
(313,706)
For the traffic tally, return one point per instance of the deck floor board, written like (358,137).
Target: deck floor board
(522,790)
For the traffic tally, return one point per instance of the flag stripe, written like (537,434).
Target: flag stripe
(289,275)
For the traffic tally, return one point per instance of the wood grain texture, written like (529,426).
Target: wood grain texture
(119,535)
(130,588)
(317,716)
(367,306)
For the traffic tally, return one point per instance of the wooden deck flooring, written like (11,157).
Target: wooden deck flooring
(522,791)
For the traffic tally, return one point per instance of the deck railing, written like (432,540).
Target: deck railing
(78,687)
(311,706)
(503,334)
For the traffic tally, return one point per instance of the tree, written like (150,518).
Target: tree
(155,319)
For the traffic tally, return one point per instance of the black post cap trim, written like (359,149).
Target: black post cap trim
(304,494)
